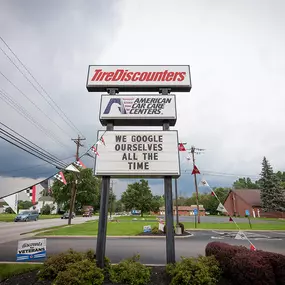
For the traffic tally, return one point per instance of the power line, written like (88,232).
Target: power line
(35,145)
(32,102)
(38,153)
(59,111)
(23,112)
(29,167)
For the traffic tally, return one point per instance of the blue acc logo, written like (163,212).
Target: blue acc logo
(119,106)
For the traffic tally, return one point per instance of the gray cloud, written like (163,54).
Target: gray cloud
(235,49)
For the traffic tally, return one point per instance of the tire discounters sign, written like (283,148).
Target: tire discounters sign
(138,110)
(138,153)
(129,78)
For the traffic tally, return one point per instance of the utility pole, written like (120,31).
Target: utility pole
(73,191)
(193,152)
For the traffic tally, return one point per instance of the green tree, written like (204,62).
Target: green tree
(119,206)
(24,205)
(156,203)
(272,194)
(245,183)
(138,196)
(87,189)
(9,210)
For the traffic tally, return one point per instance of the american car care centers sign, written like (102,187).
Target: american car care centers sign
(138,153)
(138,110)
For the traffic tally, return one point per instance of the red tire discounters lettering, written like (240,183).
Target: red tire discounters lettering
(125,75)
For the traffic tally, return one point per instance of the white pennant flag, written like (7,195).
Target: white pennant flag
(12,201)
(240,235)
(72,168)
(203,182)
(221,208)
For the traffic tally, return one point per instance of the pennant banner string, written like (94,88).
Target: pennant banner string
(252,247)
(53,175)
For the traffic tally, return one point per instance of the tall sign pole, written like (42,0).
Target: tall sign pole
(103,215)
(138,153)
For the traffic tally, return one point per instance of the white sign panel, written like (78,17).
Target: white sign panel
(149,78)
(139,110)
(138,153)
(31,249)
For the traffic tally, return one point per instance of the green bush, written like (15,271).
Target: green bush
(46,209)
(59,262)
(197,271)
(131,272)
(155,230)
(9,210)
(83,272)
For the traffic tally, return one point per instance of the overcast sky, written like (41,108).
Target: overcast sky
(235,109)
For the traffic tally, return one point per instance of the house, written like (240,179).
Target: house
(239,201)
(184,210)
(44,200)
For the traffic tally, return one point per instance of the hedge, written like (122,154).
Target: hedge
(242,266)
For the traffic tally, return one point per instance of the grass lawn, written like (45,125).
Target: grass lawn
(232,226)
(124,228)
(132,228)
(8,270)
(11,217)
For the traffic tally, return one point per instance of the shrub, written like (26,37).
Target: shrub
(59,262)
(131,272)
(199,271)
(9,210)
(83,272)
(249,268)
(155,230)
(224,252)
(277,262)
(46,209)
(182,227)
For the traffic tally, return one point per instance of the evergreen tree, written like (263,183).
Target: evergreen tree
(272,194)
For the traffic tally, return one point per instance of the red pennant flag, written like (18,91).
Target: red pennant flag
(79,163)
(231,219)
(252,247)
(34,195)
(212,193)
(181,147)
(195,170)
(94,149)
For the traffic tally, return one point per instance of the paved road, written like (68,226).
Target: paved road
(216,219)
(151,250)
(11,231)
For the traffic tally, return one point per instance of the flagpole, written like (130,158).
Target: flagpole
(196,186)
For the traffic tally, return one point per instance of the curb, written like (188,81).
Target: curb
(119,237)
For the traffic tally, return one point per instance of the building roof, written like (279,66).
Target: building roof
(250,196)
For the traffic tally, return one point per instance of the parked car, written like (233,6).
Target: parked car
(87,214)
(66,215)
(26,216)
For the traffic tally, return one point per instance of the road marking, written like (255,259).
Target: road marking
(217,237)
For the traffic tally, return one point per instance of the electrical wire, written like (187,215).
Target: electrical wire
(35,145)
(33,103)
(64,117)
(29,167)
(39,153)
(23,112)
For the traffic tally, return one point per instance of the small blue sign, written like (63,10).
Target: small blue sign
(195,212)
(247,213)
(147,229)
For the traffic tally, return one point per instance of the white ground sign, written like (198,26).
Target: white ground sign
(31,249)
(138,153)
(138,107)
(147,78)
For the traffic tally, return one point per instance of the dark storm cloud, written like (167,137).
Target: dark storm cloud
(57,40)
